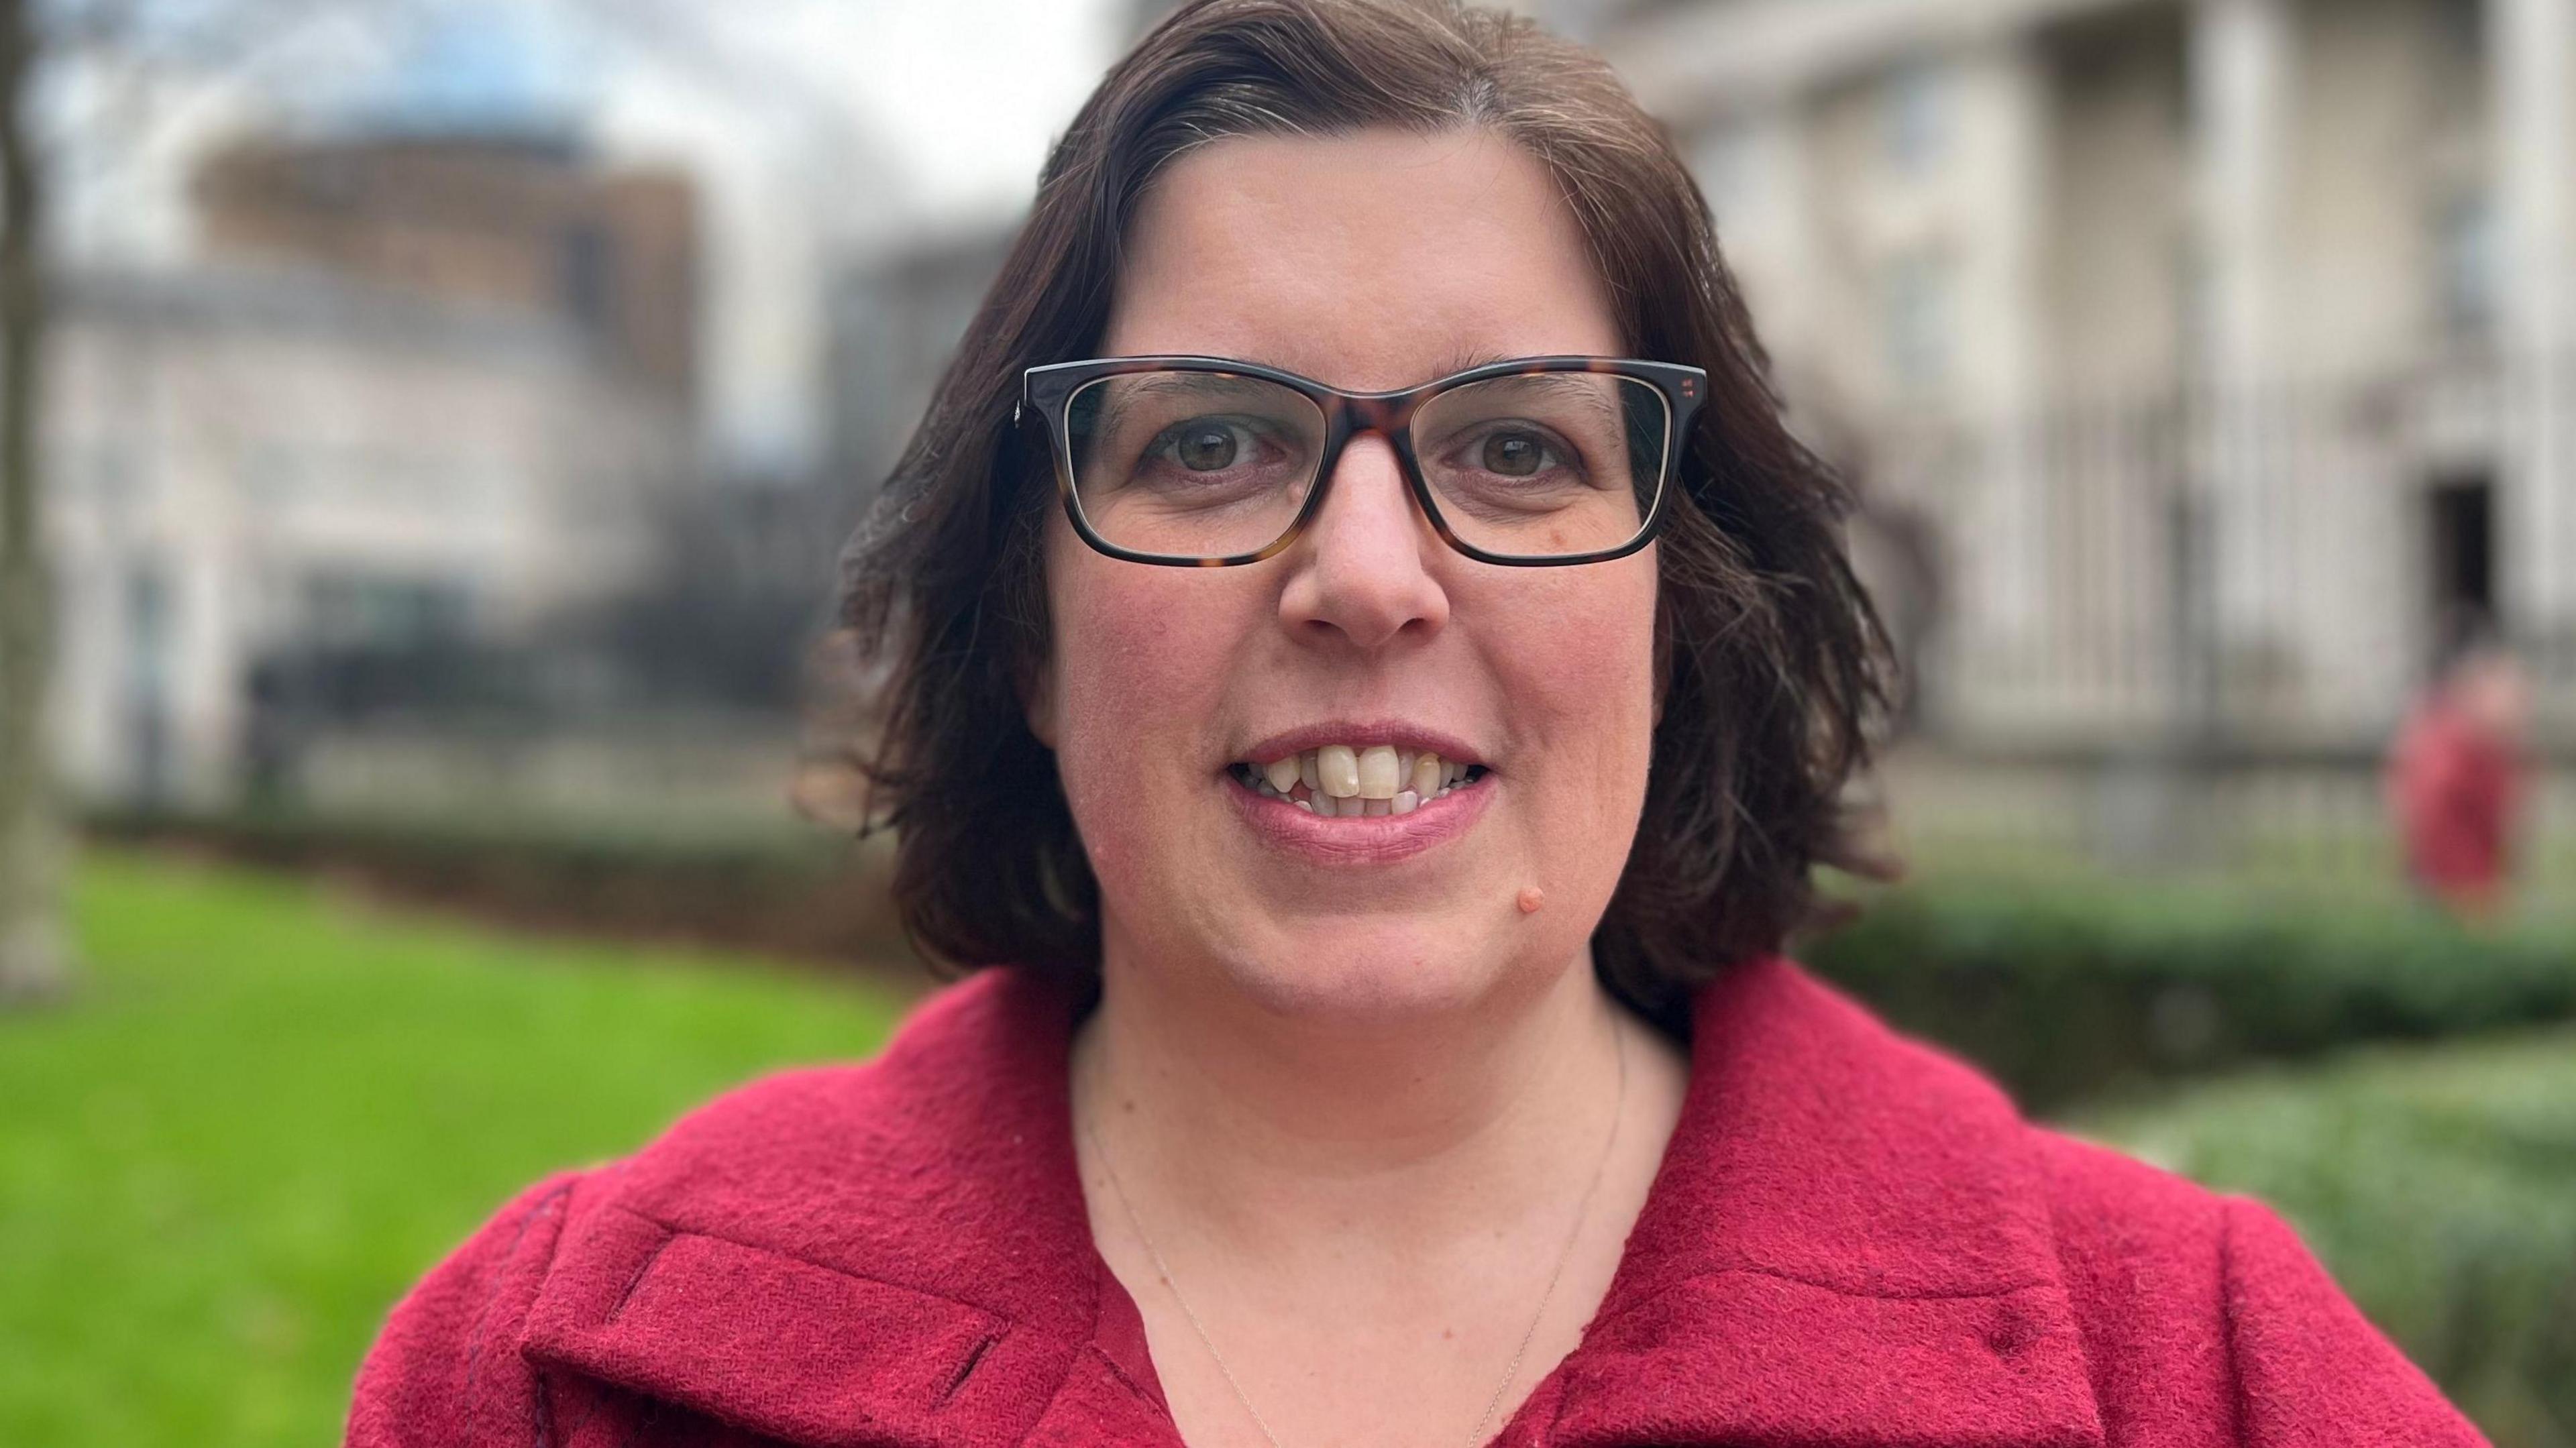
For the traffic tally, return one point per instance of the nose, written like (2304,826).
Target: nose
(1362,567)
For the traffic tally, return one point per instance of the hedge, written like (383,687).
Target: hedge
(793,891)
(2438,1184)
(2068,991)
(2061,988)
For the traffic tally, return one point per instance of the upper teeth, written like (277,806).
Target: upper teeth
(1346,779)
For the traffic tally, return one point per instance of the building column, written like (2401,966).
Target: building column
(2532,62)
(2003,93)
(2240,69)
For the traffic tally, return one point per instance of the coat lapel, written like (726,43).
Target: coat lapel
(893,1254)
(1848,1243)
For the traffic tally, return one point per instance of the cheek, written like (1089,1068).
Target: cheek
(1582,663)
(1137,667)
(1121,664)
(1580,679)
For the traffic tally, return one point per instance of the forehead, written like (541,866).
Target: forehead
(1373,260)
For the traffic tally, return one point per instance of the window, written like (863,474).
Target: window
(1913,117)
(2464,259)
(148,629)
(2195,309)
(150,756)
(1914,321)
(589,276)
(2462,538)
(2463,25)
(271,473)
(348,610)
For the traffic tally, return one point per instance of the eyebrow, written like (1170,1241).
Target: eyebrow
(1463,360)
(1152,384)
(1468,360)
(1117,401)
(1574,386)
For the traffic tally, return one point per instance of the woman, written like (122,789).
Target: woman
(2454,774)
(1375,771)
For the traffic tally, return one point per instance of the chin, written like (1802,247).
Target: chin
(1359,970)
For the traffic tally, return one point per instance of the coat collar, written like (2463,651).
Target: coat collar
(1848,1241)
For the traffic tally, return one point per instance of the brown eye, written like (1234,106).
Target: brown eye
(1514,454)
(1205,449)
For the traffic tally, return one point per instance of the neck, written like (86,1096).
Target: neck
(1261,1125)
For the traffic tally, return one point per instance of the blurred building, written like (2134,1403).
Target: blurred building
(2223,345)
(446,406)
(896,315)
(519,221)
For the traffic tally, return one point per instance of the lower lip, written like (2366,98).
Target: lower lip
(1366,839)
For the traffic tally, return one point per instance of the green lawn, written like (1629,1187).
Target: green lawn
(265,1112)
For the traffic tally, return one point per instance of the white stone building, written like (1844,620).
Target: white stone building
(2224,345)
(245,462)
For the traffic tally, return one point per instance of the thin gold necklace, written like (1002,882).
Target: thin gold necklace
(1565,1254)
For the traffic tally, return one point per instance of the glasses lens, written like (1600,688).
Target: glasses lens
(1192,464)
(1545,465)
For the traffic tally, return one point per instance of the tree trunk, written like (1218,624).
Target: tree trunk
(34,952)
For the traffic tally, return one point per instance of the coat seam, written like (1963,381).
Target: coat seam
(492,1294)
(1099,1304)
(1135,1388)
(589,1410)
(541,1413)
(1934,1295)
(974,1360)
(2083,1334)
(636,1278)
(2227,1214)
(1555,1430)
(1003,1320)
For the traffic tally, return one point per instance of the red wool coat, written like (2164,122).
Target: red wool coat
(1853,1241)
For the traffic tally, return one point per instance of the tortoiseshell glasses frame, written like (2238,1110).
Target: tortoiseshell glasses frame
(1050,391)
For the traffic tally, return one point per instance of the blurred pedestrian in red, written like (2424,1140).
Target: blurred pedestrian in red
(2454,774)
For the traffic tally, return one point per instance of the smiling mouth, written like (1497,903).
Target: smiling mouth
(1347,781)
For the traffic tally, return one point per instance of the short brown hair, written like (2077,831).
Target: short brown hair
(1769,654)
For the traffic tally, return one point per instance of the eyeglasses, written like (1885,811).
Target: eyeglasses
(1198,462)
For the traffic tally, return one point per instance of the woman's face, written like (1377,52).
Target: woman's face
(1371,261)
